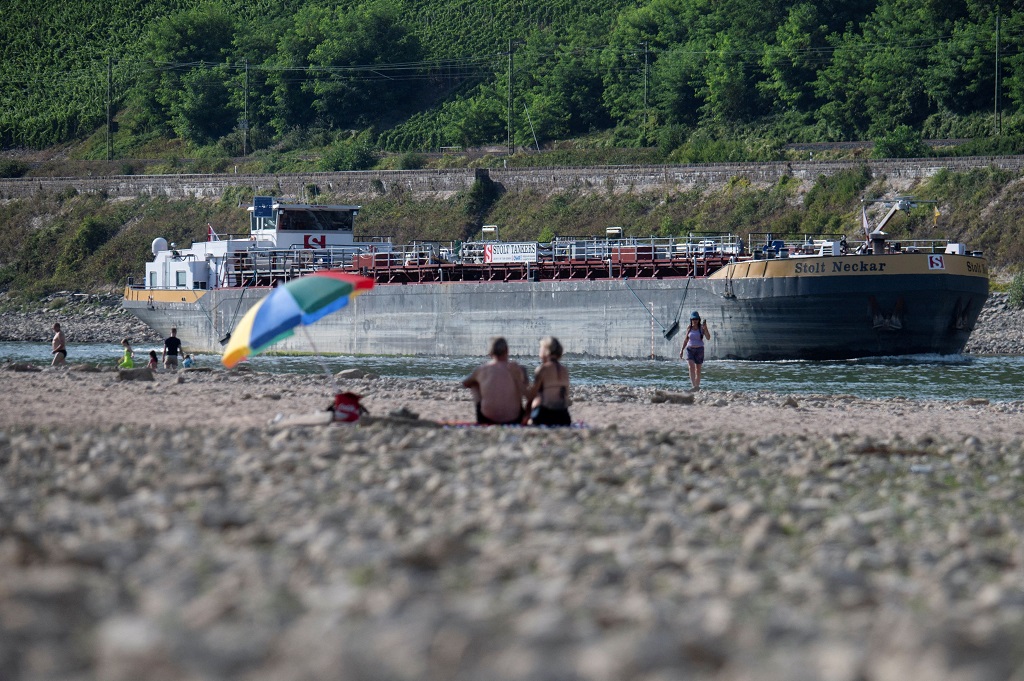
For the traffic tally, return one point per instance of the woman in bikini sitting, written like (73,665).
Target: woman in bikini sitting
(549,395)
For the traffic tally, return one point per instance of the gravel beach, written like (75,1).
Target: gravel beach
(203,525)
(192,528)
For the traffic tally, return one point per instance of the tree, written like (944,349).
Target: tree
(287,76)
(175,46)
(657,26)
(479,119)
(876,79)
(561,87)
(791,64)
(201,113)
(360,71)
(90,235)
(677,74)
(961,70)
(728,89)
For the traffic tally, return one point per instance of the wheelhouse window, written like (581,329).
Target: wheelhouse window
(179,279)
(304,220)
(314,221)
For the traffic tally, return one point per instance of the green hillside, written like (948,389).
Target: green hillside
(695,79)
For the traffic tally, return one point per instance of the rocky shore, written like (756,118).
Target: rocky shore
(98,318)
(188,528)
(1000,329)
(85,318)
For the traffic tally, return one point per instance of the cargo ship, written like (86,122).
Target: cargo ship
(765,297)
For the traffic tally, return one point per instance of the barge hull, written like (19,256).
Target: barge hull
(753,318)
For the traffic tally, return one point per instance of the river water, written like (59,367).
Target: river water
(997,378)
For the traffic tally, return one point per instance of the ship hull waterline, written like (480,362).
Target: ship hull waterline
(768,317)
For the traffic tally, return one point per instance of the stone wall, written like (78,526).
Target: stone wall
(363,185)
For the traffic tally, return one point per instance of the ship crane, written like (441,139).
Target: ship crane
(876,237)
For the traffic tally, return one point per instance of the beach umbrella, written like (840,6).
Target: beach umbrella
(295,304)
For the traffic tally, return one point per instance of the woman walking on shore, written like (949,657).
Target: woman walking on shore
(693,347)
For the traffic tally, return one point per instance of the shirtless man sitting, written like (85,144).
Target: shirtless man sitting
(498,387)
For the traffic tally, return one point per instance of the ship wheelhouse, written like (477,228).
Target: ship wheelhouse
(284,240)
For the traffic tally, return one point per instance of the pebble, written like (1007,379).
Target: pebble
(249,553)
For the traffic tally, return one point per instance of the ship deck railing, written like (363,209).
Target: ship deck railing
(767,244)
(564,258)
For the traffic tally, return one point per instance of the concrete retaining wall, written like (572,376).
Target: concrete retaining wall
(360,186)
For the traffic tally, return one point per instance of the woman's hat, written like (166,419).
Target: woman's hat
(694,315)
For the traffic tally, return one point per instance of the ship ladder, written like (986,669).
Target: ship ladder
(227,337)
(729,294)
(674,329)
(668,332)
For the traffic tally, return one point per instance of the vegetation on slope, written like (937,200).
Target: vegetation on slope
(80,242)
(694,79)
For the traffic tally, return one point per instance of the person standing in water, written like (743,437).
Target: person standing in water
(127,361)
(59,345)
(172,346)
(693,347)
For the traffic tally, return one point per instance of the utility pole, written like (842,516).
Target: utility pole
(998,122)
(511,149)
(245,110)
(645,77)
(645,92)
(110,78)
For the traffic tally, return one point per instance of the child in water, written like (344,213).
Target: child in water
(152,364)
(126,361)
(188,361)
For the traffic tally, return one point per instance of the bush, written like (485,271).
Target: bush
(990,146)
(348,156)
(12,168)
(1016,291)
(902,142)
(670,138)
(412,161)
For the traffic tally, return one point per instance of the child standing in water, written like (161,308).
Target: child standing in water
(127,361)
(152,364)
(693,347)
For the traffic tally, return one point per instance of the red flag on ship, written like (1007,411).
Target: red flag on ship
(210,234)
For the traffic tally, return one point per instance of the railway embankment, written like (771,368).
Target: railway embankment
(363,185)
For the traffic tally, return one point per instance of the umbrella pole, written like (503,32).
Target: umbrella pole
(320,359)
